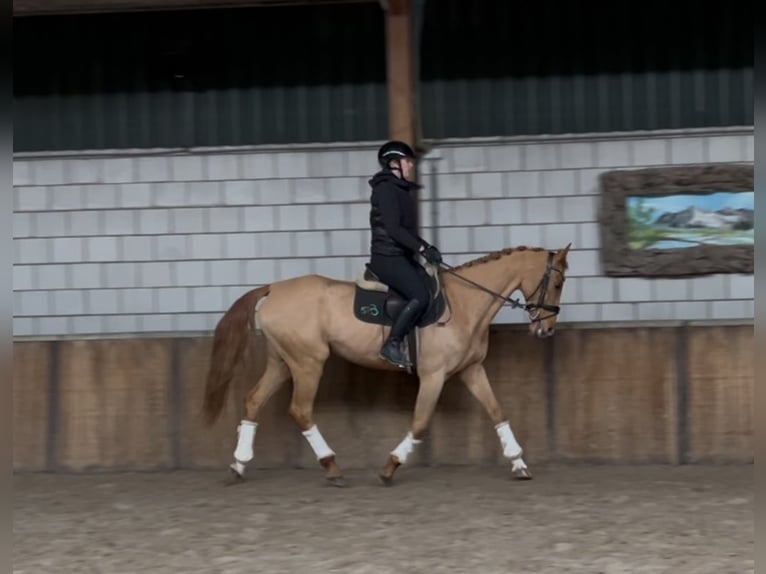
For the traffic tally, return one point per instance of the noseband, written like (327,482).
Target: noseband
(542,286)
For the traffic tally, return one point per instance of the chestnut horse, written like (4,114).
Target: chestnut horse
(350,319)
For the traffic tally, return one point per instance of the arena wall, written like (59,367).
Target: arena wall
(673,394)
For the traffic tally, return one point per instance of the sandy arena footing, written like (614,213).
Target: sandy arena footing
(579,519)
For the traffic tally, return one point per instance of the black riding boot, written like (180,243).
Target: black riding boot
(392,349)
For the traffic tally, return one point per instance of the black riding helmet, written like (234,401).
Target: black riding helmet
(394,150)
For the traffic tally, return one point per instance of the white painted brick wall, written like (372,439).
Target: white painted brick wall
(548,195)
(166,242)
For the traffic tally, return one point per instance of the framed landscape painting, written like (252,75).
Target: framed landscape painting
(678,221)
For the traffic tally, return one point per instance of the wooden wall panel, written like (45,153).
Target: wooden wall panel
(616,394)
(31,370)
(721,393)
(114,404)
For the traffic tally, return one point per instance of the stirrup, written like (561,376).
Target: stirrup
(404,364)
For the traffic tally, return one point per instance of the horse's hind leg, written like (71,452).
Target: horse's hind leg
(306,376)
(273,377)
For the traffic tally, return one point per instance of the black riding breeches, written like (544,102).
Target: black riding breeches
(403,275)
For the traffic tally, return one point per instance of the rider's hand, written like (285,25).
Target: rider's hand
(432,255)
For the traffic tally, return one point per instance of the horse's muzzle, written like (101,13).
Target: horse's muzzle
(541,333)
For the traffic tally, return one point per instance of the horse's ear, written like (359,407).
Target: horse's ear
(562,253)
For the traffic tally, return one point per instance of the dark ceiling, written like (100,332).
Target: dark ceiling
(48,7)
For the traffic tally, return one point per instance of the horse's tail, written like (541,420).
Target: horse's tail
(231,337)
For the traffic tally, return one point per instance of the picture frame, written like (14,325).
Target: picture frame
(678,221)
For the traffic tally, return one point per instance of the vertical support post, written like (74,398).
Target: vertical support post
(402,77)
(54,407)
(175,400)
(682,397)
(549,358)
(400,69)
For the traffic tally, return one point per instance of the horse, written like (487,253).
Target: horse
(350,318)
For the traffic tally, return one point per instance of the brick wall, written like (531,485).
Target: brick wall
(125,243)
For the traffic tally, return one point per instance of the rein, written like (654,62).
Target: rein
(542,286)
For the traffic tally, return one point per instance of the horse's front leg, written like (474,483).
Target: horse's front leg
(425,404)
(475,378)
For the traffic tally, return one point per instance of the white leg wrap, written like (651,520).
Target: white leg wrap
(317,442)
(244,450)
(511,448)
(405,447)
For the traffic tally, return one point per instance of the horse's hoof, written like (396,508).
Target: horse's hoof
(234,478)
(522,474)
(337,481)
(386,480)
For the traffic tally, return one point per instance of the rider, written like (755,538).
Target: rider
(395,242)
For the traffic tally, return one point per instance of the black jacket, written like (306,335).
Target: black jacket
(393,218)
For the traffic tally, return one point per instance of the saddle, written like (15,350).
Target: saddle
(377,303)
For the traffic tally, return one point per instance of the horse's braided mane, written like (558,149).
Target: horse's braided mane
(495,255)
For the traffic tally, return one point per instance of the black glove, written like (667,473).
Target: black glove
(432,255)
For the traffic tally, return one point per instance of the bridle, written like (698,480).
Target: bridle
(542,287)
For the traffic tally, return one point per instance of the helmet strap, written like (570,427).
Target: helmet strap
(397,166)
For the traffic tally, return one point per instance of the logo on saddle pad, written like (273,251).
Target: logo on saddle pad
(376,303)
(371,310)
